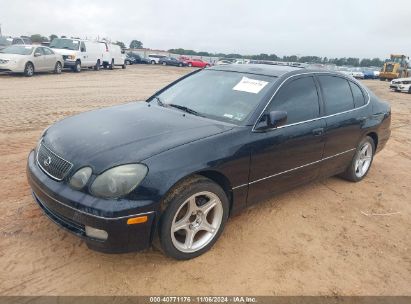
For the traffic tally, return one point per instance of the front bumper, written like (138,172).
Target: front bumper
(69,63)
(72,210)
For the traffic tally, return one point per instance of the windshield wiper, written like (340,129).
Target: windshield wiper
(185,109)
(159,102)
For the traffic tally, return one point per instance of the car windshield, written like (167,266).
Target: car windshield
(17,50)
(221,95)
(68,44)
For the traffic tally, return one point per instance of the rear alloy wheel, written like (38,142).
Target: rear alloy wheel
(97,66)
(153,62)
(58,68)
(180,65)
(194,219)
(164,63)
(29,69)
(190,64)
(361,162)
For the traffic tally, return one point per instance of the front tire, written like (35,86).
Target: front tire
(194,218)
(361,162)
(29,69)
(77,67)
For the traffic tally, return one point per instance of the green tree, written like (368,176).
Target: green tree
(136,44)
(121,44)
(37,38)
(52,37)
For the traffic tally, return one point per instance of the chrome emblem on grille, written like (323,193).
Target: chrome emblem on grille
(47,161)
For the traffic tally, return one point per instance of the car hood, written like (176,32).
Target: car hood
(126,134)
(12,56)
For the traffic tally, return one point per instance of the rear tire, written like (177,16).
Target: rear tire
(152,62)
(97,66)
(111,66)
(361,162)
(124,66)
(193,219)
(29,69)
(164,63)
(190,64)
(58,68)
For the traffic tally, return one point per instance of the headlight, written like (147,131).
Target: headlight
(118,181)
(71,57)
(80,178)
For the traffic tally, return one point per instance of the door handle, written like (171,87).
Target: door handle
(318,131)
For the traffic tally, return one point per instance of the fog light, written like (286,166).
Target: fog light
(96,233)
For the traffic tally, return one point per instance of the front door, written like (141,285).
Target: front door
(288,155)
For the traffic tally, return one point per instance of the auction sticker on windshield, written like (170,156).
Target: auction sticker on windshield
(250,85)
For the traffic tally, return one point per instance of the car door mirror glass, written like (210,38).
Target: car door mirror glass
(272,120)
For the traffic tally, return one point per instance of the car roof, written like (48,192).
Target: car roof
(261,69)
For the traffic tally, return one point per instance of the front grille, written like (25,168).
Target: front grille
(52,164)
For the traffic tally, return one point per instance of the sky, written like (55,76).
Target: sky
(325,28)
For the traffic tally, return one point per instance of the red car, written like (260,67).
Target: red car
(198,63)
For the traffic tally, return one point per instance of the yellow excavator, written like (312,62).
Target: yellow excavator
(396,67)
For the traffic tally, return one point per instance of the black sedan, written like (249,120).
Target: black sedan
(171,170)
(171,61)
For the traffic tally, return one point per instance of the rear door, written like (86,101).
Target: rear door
(49,59)
(289,155)
(345,115)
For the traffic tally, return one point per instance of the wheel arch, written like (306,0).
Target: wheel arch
(374,137)
(215,176)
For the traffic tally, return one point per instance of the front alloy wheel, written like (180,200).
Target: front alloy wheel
(194,218)
(196,222)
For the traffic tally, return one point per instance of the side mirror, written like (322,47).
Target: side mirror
(37,54)
(272,120)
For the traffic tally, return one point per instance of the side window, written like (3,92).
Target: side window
(337,94)
(17,41)
(82,47)
(358,95)
(47,51)
(39,50)
(299,98)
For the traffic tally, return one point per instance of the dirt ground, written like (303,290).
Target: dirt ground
(321,239)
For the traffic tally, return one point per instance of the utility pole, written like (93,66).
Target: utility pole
(0,30)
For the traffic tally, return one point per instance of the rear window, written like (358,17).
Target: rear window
(337,94)
(358,95)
